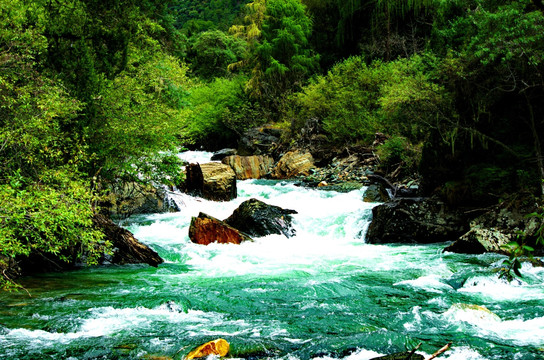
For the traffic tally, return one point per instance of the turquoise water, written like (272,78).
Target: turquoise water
(323,294)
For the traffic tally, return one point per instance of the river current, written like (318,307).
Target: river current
(323,294)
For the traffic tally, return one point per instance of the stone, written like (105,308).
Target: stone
(221,154)
(479,241)
(259,140)
(498,226)
(293,163)
(219,347)
(126,248)
(376,193)
(130,198)
(206,229)
(257,218)
(415,220)
(250,167)
(213,181)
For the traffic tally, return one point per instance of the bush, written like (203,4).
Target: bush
(355,100)
(398,150)
(221,112)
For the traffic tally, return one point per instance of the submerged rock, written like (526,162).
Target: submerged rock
(206,229)
(293,163)
(250,167)
(218,347)
(415,220)
(257,218)
(212,181)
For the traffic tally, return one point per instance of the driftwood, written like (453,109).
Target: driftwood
(440,351)
(385,182)
(411,355)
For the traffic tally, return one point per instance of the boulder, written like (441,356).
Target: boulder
(293,163)
(126,248)
(415,220)
(497,227)
(130,198)
(249,167)
(376,193)
(219,347)
(206,229)
(212,181)
(221,154)
(257,218)
(259,140)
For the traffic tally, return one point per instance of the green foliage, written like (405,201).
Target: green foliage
(519,250)
(398,150)
(53,216)
(355,100)
(220,112)
(279,54)
(212,51)
(195,16)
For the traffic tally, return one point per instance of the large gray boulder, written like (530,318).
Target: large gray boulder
(415,220)
(502,224)
(257,218)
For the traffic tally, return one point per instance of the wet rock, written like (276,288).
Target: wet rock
(293,163)
(497,227)
(221,154)
(250,167)
(259,141)
(376,193)
(212,181)
(415,220)
(257,218)
(219,347)
(206,229)
(127,249)
(130,198)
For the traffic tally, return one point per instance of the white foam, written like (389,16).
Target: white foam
(431,283)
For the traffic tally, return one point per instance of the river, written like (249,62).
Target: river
(323,294)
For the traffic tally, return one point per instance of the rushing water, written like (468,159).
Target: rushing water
(323,294)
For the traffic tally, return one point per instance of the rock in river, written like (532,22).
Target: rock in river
(257,218)
(212,181)
(292,164)
(415,220)
(206,229)
(218,347)
(250,167)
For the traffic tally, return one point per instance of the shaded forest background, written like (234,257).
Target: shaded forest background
(94,92)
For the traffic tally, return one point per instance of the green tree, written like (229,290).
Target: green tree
(280,56)
(212,51)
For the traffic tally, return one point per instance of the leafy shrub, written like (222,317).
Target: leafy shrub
(398,150)
(355,100)
(220,112)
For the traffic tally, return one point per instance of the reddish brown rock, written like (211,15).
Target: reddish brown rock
(250,167)
(206,229)
(217,347)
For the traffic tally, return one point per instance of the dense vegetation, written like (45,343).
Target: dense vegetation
(93,92)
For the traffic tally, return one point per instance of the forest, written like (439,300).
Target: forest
(97,92)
